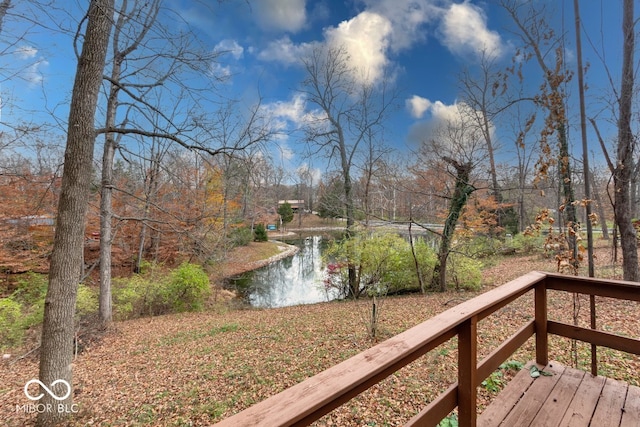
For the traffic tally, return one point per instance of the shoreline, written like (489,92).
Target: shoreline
(286,251)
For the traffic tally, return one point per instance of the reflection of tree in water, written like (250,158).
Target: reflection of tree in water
(293,280)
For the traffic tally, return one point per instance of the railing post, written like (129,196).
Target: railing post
(467,372)
(542,344)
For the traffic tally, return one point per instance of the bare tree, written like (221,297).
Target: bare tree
(351,110)
(56,351)
(138,21)
(481,92)
(540,42)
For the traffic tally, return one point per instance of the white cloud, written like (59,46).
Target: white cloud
(285,51)
(408,18)
(417,106)
(464,31)
(26,52)
(33,73)
(219,71)
(286,153)
(442,116)
(280,15)
(390,26)
(287,111)
(224,48)
(366,39)
(452,113)
(306,171)
(228,46)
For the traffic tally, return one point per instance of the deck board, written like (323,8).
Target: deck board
(631,413)
(609,409)
(558,401)
(569,397)
(580,410)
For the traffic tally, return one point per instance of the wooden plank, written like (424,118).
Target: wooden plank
(609,408)
(554,408)
(507,399)
(527,408)
(467,374)
(599,338)
(431,415)
(618,289)
(542,340)
(581,409)
(631,413)
(493,361)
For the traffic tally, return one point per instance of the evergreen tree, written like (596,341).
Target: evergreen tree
(286,213)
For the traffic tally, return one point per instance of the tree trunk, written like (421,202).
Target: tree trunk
(56,351)
(625,165)
(599,207)
(106,204)
(460,196)
(354,285)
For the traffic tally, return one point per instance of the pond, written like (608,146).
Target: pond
(294,280)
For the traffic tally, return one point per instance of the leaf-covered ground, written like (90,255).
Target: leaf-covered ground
(195,369)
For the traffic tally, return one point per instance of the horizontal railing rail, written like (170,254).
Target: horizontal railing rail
(311,399)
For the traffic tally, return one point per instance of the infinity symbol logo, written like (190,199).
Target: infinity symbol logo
(51,393)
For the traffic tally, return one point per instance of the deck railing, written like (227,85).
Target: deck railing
(311,399)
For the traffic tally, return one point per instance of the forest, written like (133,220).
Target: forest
(159,170)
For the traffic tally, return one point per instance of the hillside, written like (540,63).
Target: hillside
(196,368)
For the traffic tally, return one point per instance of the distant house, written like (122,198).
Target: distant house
(296,205)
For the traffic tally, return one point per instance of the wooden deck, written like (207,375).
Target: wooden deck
(568,397)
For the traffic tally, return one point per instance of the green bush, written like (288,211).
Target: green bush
(464,272)
(260,233)
(11,325)
(482,246)
(154,293)
(30,293)
(127,293)
(188,288)
(383,261)
(139,295)
(87,302)
(527,243)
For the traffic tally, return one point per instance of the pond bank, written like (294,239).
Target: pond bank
(253,256)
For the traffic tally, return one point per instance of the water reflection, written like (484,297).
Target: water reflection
(292,281)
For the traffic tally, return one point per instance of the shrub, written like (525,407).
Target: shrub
(87,302)
(464,272)
(140,295)
(527,243)
(30,293)
(384,262)
(240,236)
(188,288)
(260,233)
(11,326)
(482,246)
(127,296)
(185,289)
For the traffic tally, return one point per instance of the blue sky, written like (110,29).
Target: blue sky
(422,44)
